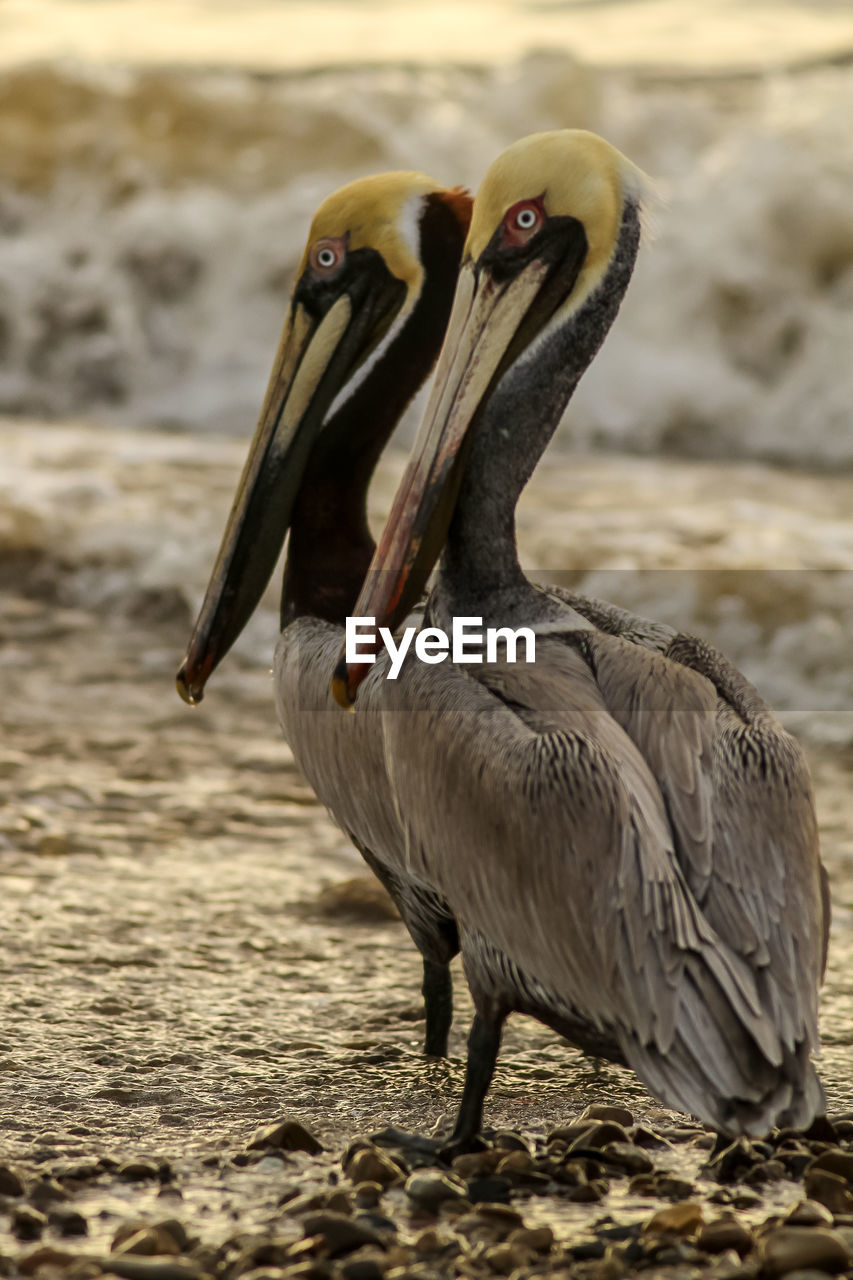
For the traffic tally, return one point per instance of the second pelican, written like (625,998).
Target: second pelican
(627,839)
(365,324)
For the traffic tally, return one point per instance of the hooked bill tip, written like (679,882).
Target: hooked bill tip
(192,697)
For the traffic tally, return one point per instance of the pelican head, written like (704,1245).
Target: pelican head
(553,237)
(365,321)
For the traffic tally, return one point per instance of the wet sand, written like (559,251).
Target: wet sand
(182,963)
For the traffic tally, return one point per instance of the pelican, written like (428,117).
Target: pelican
(622,830)
(364,327)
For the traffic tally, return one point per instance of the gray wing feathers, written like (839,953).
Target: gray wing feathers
(598,910)
(739,801)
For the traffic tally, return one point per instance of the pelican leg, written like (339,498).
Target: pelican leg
(484,1042)
(437,991)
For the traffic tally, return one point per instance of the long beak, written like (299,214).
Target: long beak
(291,416)
(478,347)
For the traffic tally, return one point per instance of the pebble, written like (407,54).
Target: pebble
(603,1111)
(138,1170)
(369,1164)
(27,1223)
(149,1241)
(837,1162)
(339,1233)
(47,1192)
(508,1140)
(67,1221)
(536,1239)
(627,1156)
(366,1267)
(285,1134)
(11,1182)
(722,1234)
(828,1189)
(599,1134)
(367,1194)
(505,1258)
(587,1192)
(429,1189)
(130,1267)
(44,1256)
(486,1225)
(678,1220)
(489,1190)
(809,1213)
(790,1249)
(477,1163)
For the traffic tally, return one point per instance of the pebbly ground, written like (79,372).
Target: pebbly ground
(191,953)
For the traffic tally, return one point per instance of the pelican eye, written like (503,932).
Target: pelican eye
(522,222)
(327,256)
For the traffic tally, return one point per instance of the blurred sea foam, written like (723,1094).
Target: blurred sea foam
(153,205)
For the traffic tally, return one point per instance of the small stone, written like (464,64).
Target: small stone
(363,1266)
(27,1223)
(643,1137)
(46,1193)
(29,1264)
(340,1234)
(310,1202)
(138,1171)
(477,1163)
(678,1220)
(360,898)
(821,1130)
(536,1239)
(829,1190)
(428,1242)
(730,1164)
(149,1242)
(627,1156)
(310,1270)
(722,1234)
(837,1162)
(764,1172)
(515,1162)
(178,1232)
(479,1228)
(429,1189)
(339,1202)
(602,1111)
(507,1140)
(599,1134)
(505,1258)
(11,1183)
(67,1221)
(286,1134)
(672,1188)
(489,1190)
(790,1249)
(367,1194)
(587,1192)
(587,1250)
(809,1213)
(79,1170)
(368,1164)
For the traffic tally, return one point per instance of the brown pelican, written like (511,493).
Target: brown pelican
(626,837)
(365,324)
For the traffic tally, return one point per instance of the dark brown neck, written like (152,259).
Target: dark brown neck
(330,545)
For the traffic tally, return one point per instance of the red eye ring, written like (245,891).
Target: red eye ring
(523,221)
(326,256)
